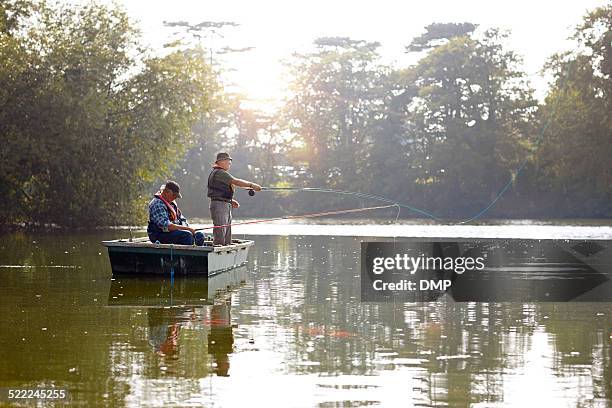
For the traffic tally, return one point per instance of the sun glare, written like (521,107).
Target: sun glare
(274,30)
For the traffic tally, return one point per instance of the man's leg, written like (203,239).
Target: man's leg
(228,230)
(173,237)
(217,213)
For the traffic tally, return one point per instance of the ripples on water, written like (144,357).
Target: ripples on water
(289,331)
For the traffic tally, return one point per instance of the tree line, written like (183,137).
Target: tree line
(91,121)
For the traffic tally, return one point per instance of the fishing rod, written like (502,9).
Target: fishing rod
(352,193)
(311,215)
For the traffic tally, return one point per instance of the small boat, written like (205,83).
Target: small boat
(139,256)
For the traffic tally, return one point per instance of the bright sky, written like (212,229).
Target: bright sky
(278,28)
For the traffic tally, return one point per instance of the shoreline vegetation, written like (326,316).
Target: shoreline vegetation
(91,121)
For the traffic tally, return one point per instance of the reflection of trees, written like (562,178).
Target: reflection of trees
(583,343)
(306,293)
(468,350)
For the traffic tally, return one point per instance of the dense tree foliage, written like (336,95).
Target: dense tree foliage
(574,160)
(91,122)
(470,120)
(443,133)
(337,100)
(88,117)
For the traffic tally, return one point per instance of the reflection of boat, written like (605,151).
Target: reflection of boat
(152,291)
(200,303)
(139,256)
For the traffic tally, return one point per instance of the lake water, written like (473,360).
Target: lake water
(289,330)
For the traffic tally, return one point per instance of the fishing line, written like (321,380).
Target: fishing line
(311,215)
(354,193)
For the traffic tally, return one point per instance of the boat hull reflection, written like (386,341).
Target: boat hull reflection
(158,291)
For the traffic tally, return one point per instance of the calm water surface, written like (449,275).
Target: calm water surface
(288,330)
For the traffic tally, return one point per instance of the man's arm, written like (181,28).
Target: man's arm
(159,217)
(174,227)
(245,184)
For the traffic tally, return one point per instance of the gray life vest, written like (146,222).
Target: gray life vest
(217,190)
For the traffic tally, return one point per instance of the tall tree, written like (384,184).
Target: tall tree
(337,93)
(468,125)
(88,117)
(574,158)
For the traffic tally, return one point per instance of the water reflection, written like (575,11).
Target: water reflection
(220,338)
(293,333)
(181,308)
(162,291)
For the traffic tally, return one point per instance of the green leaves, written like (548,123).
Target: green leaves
(338,94)
(576,146)
(437,34)
(89,118)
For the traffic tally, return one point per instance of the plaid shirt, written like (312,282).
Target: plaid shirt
(158,215)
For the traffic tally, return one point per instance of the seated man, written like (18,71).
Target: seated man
(166,222)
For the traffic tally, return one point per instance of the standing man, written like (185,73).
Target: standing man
(166,222)
(221,193)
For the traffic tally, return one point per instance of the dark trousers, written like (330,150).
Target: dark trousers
(179,237)
(221,214)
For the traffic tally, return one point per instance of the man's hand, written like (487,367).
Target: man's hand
(255,186)
(193,231)
(235,203)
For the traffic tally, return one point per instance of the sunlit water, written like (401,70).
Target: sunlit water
(385,227)
(289,331)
